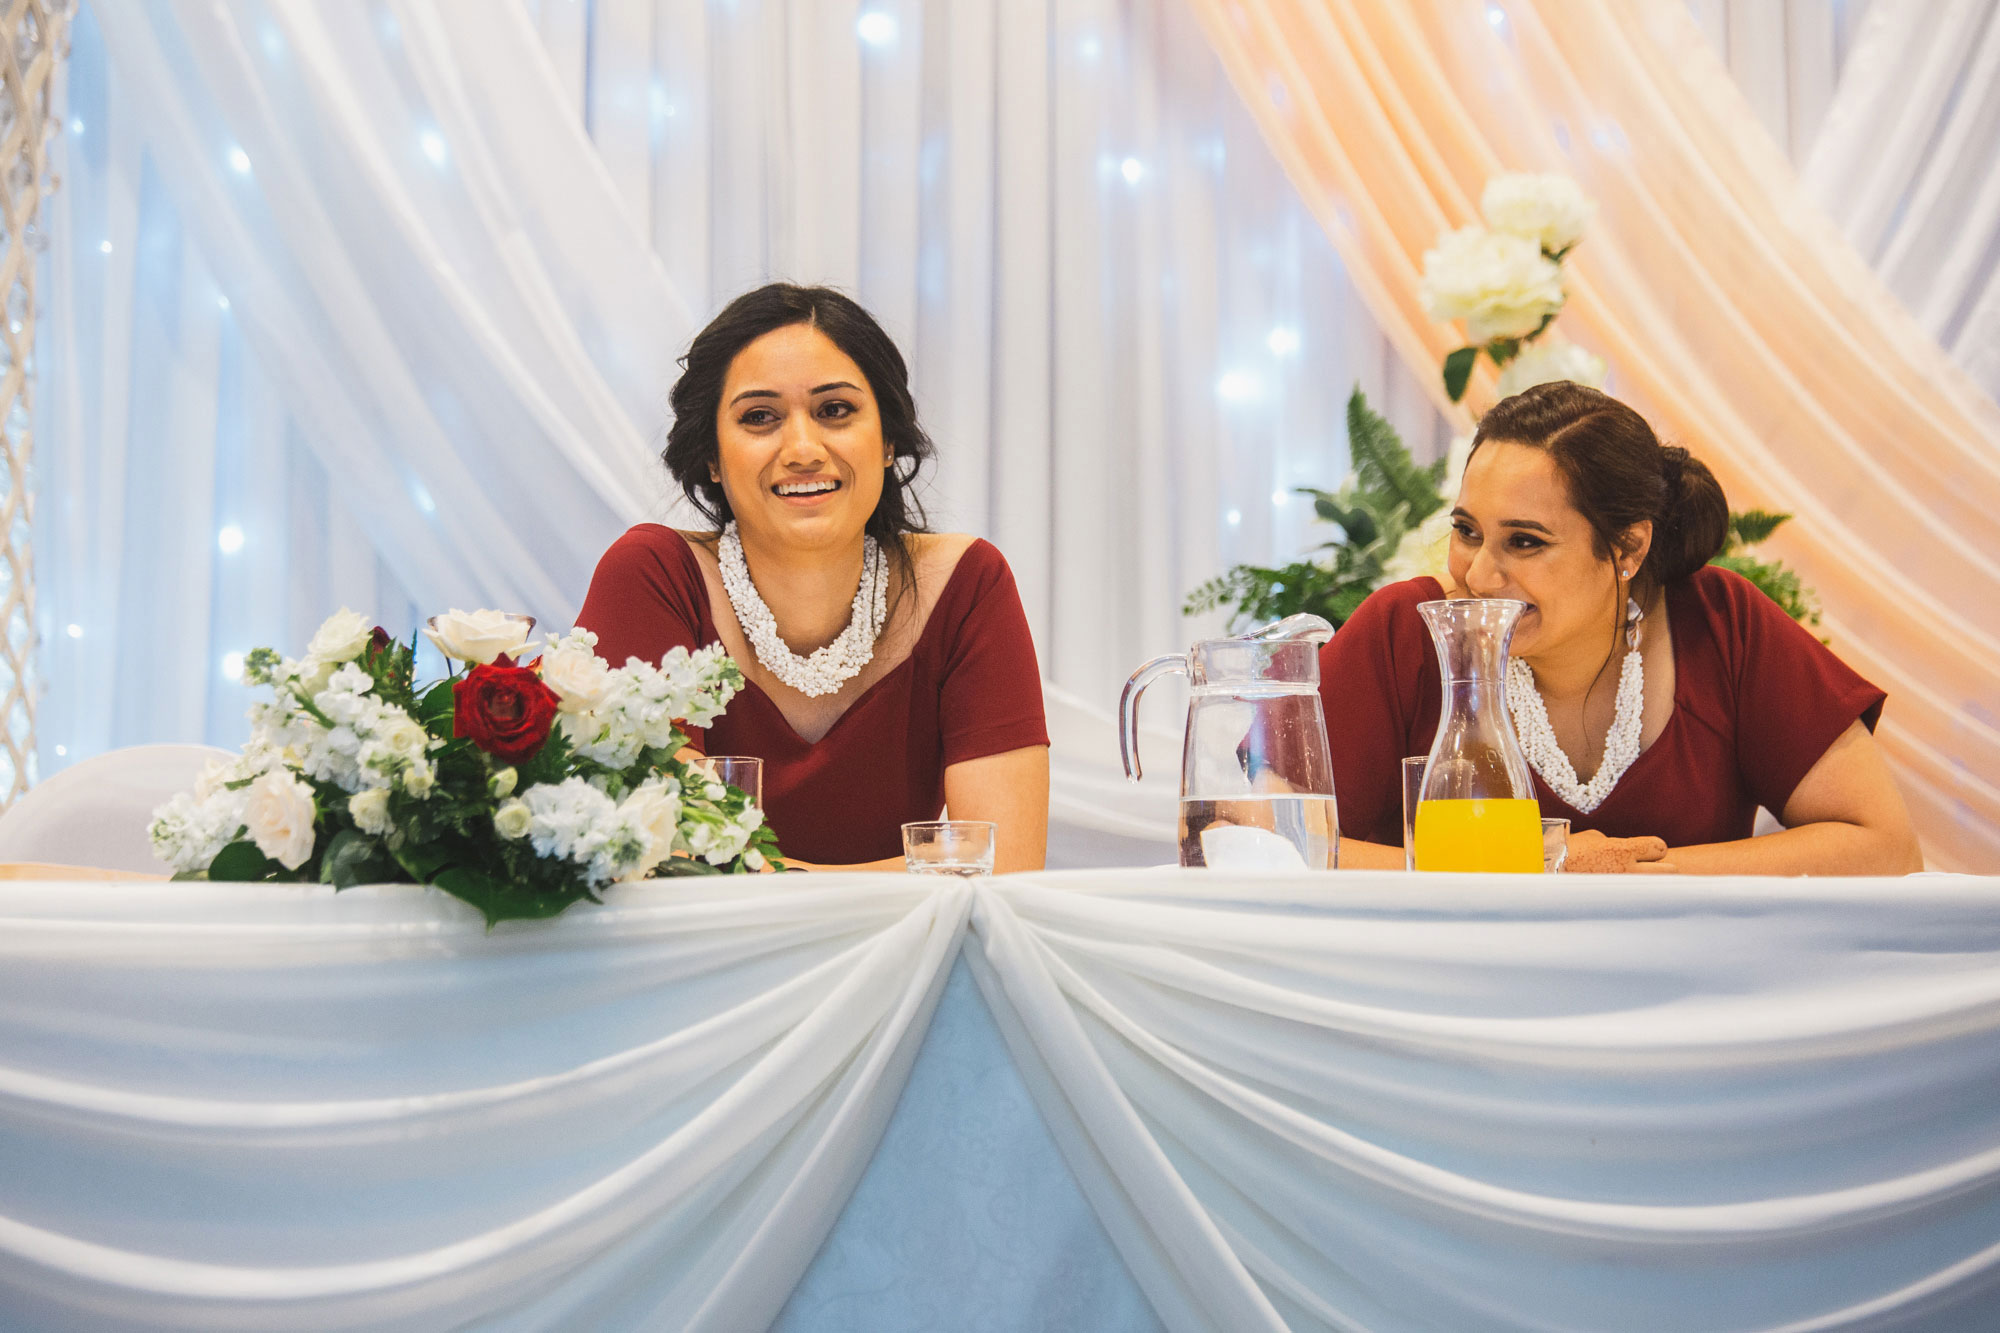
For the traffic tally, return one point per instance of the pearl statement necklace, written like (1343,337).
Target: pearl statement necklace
(1621,745)
(830,667)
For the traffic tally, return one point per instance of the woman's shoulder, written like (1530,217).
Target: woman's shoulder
(952,560)
(1733,609)
(652,555)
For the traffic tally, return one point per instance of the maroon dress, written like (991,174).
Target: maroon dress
(1757,701)
(969,688)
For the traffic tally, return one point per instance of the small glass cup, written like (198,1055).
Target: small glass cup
(742,771)
(949,847)
(1413,787)
(1555,845)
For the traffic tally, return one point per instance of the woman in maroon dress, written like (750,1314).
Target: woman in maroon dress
(1675,697)
(888,670)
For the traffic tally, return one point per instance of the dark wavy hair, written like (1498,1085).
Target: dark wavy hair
(693,449)
(1618,473)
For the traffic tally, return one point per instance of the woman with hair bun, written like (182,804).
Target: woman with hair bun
(888,669)
(1661,700)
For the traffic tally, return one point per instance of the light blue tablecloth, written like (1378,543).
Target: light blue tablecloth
(967,1219)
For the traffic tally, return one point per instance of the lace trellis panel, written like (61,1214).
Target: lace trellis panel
(33,39)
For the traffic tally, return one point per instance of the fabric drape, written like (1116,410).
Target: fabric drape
(1729,309)
(393,293)
(1294,1102)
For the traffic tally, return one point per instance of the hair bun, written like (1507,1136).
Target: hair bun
(1693,521)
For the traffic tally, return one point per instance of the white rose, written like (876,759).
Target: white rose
(313,676)
(501,784)
(418,779)
(511,820)
(1548,210)
(581,679)
(1502,286)
(341,638)
(404,737)
(477,636)
(1545,362)
(279,814)
(371,810)
(656,808)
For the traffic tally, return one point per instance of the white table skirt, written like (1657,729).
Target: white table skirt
(1355,1101)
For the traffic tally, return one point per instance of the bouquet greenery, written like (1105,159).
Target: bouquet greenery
(519,788)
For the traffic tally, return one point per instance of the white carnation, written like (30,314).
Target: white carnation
(341,638)
(1548,210)
(642,703)
(280,816)
(1545,362)
(1501,285)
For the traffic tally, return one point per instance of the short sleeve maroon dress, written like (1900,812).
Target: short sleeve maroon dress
(1757,701)
(969,688)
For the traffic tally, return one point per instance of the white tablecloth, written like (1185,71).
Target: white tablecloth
(1353,1101)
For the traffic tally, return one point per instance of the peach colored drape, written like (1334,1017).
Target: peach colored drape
(1729,309)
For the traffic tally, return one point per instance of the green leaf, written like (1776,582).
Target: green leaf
(351,858)
(434,709)
(504,900)
(242,862)
(1750,526)
(1383,467)
(1457,372)
(423,860)
(1781,584)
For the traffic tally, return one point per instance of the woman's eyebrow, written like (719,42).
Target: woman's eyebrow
(755,393)
(1527,523)
(837,384)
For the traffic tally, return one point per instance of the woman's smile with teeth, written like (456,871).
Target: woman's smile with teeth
(814,487)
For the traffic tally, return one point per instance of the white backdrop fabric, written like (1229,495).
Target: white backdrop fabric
(379,305)
(1365,1101)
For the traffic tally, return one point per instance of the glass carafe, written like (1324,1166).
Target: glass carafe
(1256,779)
(1477,810)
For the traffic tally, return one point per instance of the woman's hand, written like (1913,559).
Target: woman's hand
(1591,853)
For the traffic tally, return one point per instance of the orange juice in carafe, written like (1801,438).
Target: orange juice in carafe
(1477,810)
(1499,836)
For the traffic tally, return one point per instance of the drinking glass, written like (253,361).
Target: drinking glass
(745,772)
(1555,845)
(1413,788)
(949,847)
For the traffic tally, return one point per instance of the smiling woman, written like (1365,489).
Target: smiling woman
(890,671)
(1660,700)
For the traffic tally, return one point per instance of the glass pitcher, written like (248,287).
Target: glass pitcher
(1477,809)
(1256,780)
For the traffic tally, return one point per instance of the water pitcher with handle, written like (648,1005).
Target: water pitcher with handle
(1256,780)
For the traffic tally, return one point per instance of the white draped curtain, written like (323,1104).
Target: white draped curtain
(379,304)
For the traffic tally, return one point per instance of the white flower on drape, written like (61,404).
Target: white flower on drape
(1545,362)
(1500,284)
(1550,210)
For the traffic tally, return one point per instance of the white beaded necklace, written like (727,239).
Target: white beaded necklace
(1621,744)
(830,667)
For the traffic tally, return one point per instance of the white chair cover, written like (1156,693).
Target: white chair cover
(95,813)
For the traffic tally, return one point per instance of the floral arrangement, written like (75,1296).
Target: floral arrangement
(519,788)
(1392,514)
(1505,280)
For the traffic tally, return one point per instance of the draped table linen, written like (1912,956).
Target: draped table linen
(1363,1100)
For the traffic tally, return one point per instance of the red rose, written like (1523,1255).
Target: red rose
(505,709)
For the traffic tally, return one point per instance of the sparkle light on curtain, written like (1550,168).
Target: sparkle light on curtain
(1728,307)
